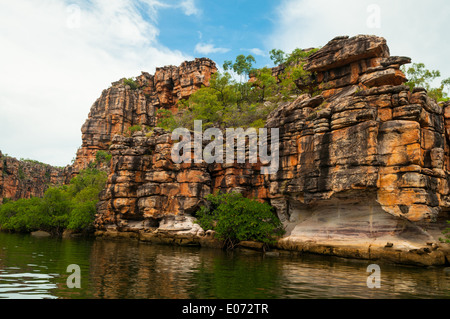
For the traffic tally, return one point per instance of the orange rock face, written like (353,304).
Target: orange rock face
(363,162)
(121,107)
(26,179)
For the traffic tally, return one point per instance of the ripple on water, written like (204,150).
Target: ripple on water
(26,286)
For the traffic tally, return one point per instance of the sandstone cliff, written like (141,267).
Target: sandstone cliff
(25,179)
(121,107)
(118,108)
(363,164)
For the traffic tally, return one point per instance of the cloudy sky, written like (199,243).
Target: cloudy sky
(57,56)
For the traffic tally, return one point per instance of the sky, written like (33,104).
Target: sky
(57,56)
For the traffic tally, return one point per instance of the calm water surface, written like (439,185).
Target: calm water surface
(37,268)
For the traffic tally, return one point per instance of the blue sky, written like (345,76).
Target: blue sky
(229,27)
(57,56)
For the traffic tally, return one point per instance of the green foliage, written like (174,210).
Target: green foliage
(133,129)
(419,76)
(103,157)
(446,232)
(67,207)
(26,160)
(166,120)
(295,80)
(265,83)
(131,83)
(23,215)
(243,65)
(259,123)
(235,218)
(89,178)
(299,56)
(21,174)
(208,105)
(227,103)
(82,216)
(277,56)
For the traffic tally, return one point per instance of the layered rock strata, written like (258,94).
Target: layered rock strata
(26,179)
(121,106)
(364,167)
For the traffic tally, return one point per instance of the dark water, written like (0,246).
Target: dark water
(37,268)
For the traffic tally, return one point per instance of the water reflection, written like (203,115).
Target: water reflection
(133,270)
(36,268)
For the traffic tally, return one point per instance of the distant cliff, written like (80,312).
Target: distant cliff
(118,108)
(26,179)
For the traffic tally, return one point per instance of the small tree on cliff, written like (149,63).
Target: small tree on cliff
(228,103)
(265,84)
(295,79)
(166,120)
(277,56)
(222,105)
(420,76)
(131,83)
(243,65)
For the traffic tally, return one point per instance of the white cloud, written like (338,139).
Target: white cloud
(56,59)
(256,51)
(207,48)
(189,8)
(417,28)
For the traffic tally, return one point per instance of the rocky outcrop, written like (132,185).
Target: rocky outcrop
(369,158)
(26,179)
(145,186)
(122,106)
(364,167)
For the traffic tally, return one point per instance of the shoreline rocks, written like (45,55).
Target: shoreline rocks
(40,234)
(370,251)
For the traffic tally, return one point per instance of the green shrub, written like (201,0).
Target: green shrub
(27,160)
(71,206)
(82,216)
(6,200)
(103,157)
(23,215)
(131,83)
(446,232)
(231,103)
(235,218)
(166,120)
(133,129)
(21,174)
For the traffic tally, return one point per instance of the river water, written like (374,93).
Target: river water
(36,268)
